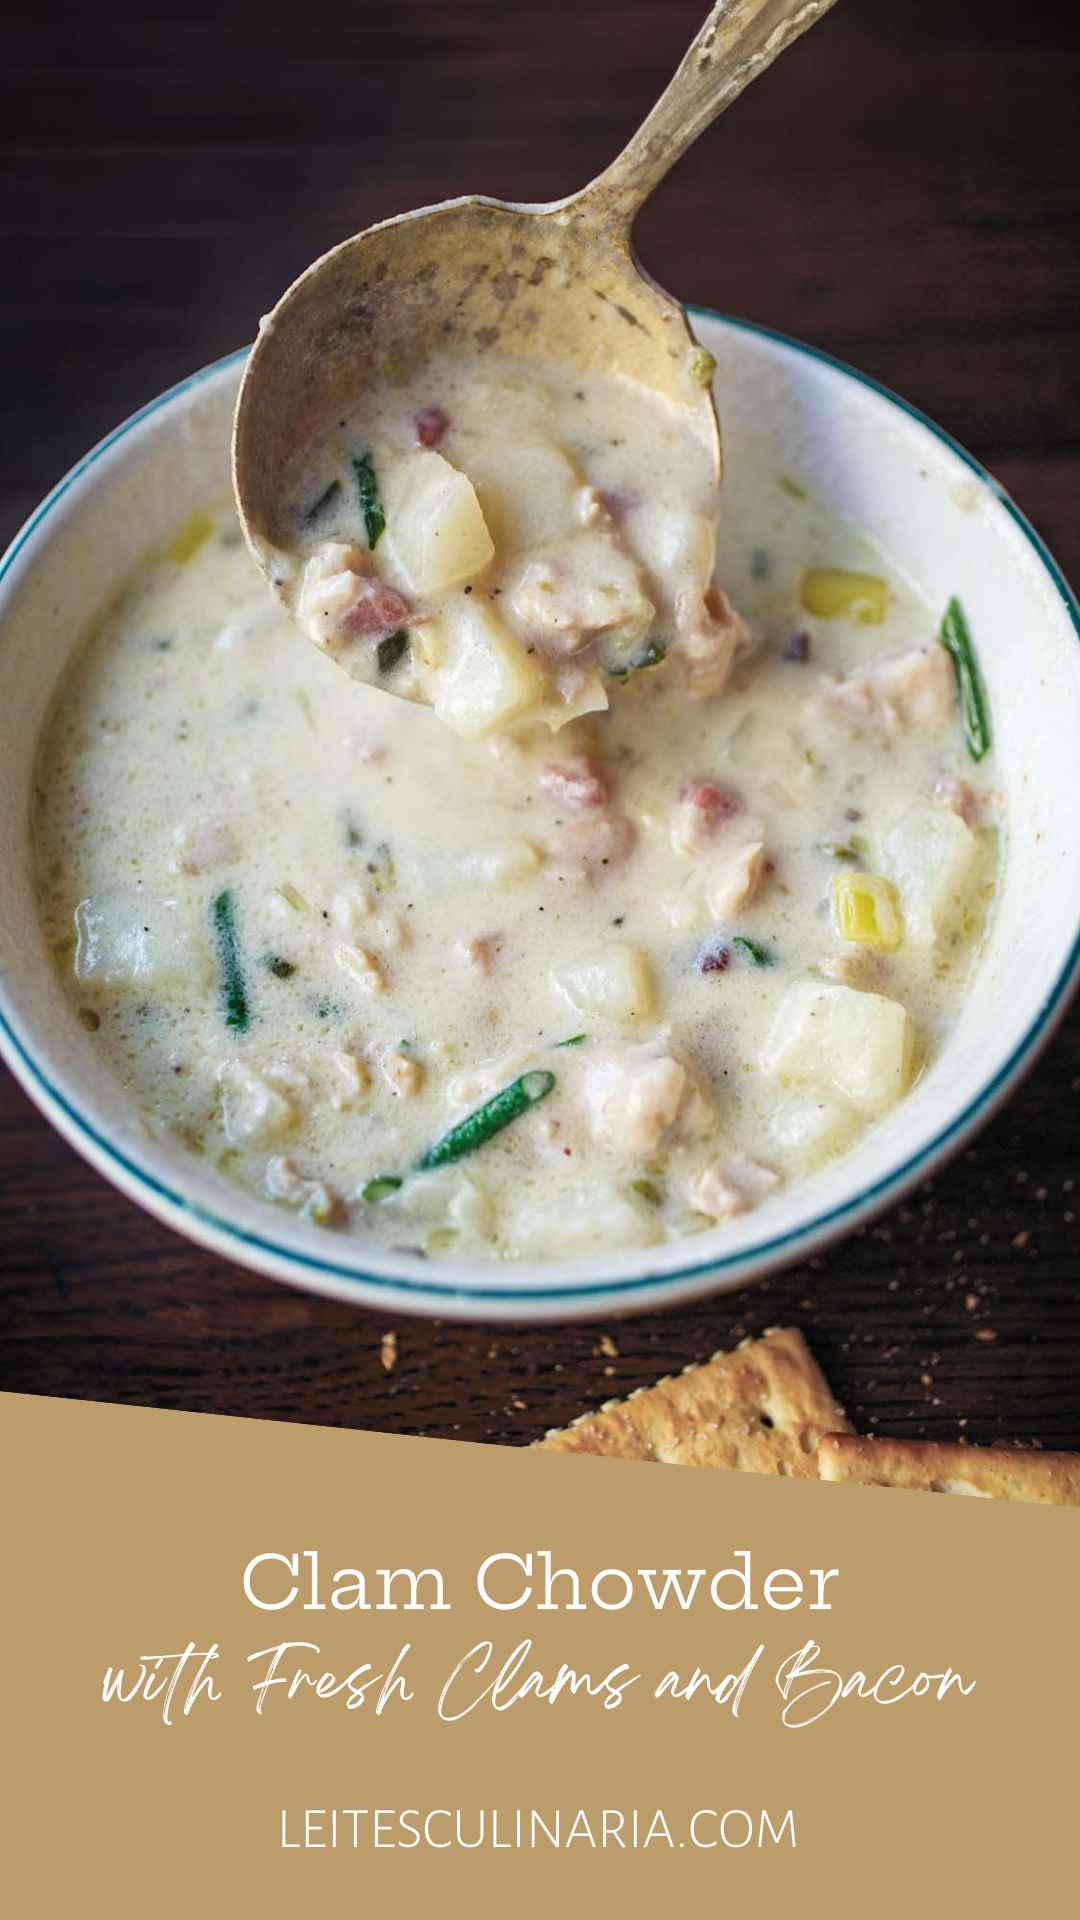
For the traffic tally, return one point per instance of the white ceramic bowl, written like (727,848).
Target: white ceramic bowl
(871,457)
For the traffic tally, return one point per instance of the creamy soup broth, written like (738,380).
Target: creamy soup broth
(706,937)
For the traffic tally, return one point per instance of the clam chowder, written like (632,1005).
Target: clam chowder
(669,898)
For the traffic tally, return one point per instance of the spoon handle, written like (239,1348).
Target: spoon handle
(738,41)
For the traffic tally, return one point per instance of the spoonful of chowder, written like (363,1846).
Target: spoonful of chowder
(476,452)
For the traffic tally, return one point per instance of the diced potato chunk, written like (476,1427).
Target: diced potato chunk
(866,910)
(480,676)
(527,493)
(833,593)
(254,1113)
(500,863)
(435,528)
(812,1127)
(933,858)
(447,1203)
(857,1044)
(131,937)
(615,983)
(578,1220)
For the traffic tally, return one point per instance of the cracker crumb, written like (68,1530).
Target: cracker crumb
(388,1352)
(607,1347)
(985,1333)
(1021,1239)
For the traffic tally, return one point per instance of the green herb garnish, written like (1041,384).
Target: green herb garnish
(758,955)
(389,652)
(491,1118)
(956,640)
(575,1040)
(377,1189)
(367,487)
(233,990)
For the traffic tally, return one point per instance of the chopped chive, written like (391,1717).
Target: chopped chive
(367,487)
(575,1040)
(758,955)
(353,831)
(233,990)
(377,1189)
(491,1118)
(390,652)
(956,640)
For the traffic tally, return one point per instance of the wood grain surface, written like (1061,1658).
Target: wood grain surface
(903,189)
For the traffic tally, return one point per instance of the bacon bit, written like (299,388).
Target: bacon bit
(480,952)
(388,1352)
(702,808)
(431,424)
(958,797)
(713,957)
(377,611)
(579,782)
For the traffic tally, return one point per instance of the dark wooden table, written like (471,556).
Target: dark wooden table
(904,190)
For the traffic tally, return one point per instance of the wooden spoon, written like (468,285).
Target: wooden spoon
(553,284)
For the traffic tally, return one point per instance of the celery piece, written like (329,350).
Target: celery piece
(866,910)
(379,1187)
(834,593)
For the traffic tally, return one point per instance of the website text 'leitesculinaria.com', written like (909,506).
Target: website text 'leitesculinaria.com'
(532,1829)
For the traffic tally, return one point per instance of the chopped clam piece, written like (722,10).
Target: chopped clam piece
(632,1099)
(733,880)
(253,1112)
(916,689)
